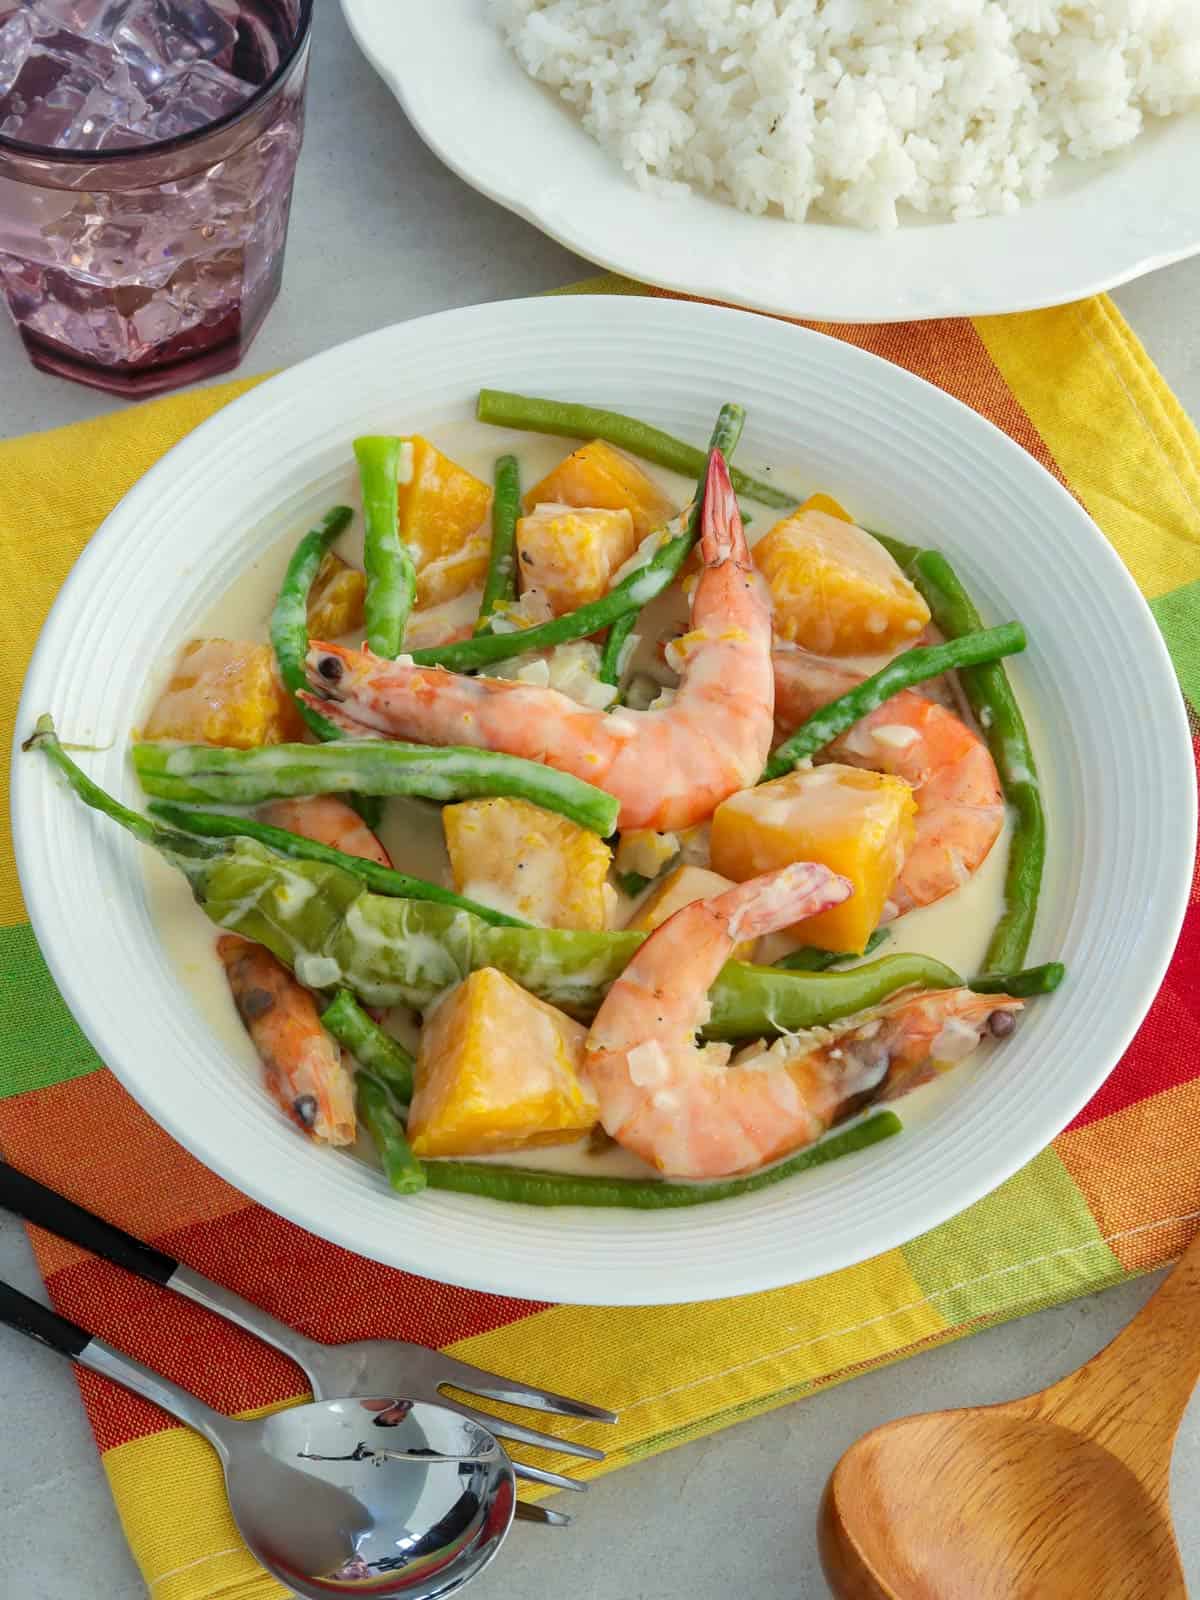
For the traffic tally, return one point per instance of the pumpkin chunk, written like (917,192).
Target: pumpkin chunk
(857,823)
(498,1069)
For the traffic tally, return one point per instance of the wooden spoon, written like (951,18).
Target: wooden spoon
(1059,1496)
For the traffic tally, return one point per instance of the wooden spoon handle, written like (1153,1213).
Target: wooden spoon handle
(1132,1395)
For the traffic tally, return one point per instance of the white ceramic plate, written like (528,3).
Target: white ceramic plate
(1105,222)
(1097,680)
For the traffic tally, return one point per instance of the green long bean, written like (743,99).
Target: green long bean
(315,916)
(383,880)
(391,575)
(289,635)
(991,698)
(529,1187)
(401,1168)
(913,667)
(809,959)
(630,595)
(384,1057)
(1022,985)
(614,648)
(289,619)
(198,773)
(572,421)
(500,582)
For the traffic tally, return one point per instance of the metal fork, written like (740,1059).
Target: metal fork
(366,1367)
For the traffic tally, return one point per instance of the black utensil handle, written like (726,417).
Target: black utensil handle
(39,1322)
(26,1197)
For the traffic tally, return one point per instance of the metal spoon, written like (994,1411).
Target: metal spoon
(389,1497)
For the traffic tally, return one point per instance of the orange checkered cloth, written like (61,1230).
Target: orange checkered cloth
(1117,1193)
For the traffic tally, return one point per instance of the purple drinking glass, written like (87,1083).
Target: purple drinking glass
(146,181)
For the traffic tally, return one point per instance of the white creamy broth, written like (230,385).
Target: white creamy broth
(955,931)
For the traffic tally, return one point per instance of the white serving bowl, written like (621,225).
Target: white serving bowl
(1108,721)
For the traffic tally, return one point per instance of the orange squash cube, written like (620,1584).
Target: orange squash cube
(224,692)
(569,555)
(597,475)
(857,823)
(678,889)
(498,1069)
(441,504)
(836,590)
(531,863)
(454,573)
(335,601)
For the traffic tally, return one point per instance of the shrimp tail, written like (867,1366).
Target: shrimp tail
(778,899)
(722,536)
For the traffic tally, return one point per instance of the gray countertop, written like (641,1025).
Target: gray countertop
(380,233)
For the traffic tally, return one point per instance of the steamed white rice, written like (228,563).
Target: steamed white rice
(853,108)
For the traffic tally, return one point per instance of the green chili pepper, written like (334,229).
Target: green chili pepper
(809,959)
(532,1188)
(913,667)
(316,917)
(391,576)
(639,438)
(370,1046)
(289,619)
(1022,985)
(384,880)
(195,773)
(401,1168)
(501,580)
(634,591)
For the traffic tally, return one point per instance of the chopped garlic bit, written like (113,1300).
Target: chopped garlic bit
(573,669)
(895,736)
(527,612)
(645,852)
(955,1040)
(646,550)
(317,972)
(648,1065)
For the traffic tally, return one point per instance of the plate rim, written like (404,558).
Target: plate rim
(42,904)
(589,243)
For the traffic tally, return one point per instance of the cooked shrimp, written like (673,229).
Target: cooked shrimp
(960,805)
(685,1109)
(304,1067)
(669,768)
(328,820)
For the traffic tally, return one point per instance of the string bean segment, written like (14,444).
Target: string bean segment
(809,959)
(913,667)
(574,421)
(1022,985)
(384,880)
(630,595)
(391,575)
(401,1168)
(991,698)
(533,1188)
(500,582)
(289,619)
(370,1046)
(199,773)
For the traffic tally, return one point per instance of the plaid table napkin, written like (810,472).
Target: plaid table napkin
(1116,1194)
